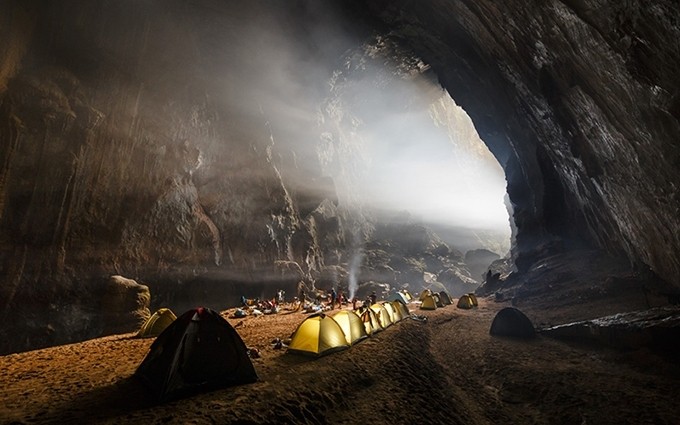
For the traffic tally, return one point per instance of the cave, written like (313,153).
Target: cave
(191,152)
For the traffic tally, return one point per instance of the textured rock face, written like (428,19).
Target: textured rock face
(130,145)
(580,102)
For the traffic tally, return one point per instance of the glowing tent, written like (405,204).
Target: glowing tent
(382,315)
(428,303)
(437,300)
(318,335)
(157,323)
(370,320)
(473,298)
(465,302)
(390,311)
(402,309)
(351,326)
(425,293)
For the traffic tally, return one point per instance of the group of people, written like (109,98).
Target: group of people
(335,299)
(265,306)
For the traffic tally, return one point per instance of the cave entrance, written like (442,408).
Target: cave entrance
(421,157)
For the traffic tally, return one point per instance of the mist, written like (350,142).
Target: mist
(372,117)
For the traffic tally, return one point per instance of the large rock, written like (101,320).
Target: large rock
(478,262)
(657,328)
(124,305)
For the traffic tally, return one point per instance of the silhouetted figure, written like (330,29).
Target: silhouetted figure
(373,297)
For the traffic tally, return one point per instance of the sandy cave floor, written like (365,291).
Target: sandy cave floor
(448,370)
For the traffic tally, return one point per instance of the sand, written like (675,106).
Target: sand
(448,370)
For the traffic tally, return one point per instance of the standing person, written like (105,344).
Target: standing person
(334,297)
(373,297)
(341,299)
(301,294)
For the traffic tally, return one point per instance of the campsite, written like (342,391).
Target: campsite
(445,369)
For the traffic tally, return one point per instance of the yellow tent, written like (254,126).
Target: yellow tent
(398,316)
(425,293)
(401,309)
(473,298)
(428,303)
(407,294)
(437,300)
(351,326)
(382,314)
(157,323)
(390,311)
(318,335)
(371,322)
(465,302)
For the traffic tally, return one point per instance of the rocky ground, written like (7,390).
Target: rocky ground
(446,370)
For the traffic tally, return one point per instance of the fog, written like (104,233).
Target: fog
(325,100)
(381,126)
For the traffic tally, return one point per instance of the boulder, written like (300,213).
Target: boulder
(124,305)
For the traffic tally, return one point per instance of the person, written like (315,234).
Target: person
(373,297)
(334,297)
(244,301)
(341,299)
(354,303)
(301,292)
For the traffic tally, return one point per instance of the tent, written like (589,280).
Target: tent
(402,309)
(371,322)
(425,293)
(474,299)
(428,303)
(408,295)
(390,311)
(382,315)
(200,350)
(465,302)
(155,324)
(437,300)
(444,297)
(318,335)
(396,312)
(398,296)
(351,326)
(513,323)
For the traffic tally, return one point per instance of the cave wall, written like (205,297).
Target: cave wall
(580,102)
(132,146)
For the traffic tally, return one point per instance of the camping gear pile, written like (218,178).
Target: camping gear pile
(320,334)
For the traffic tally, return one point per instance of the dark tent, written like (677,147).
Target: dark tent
(444,297)
(198,351)
(513,323)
